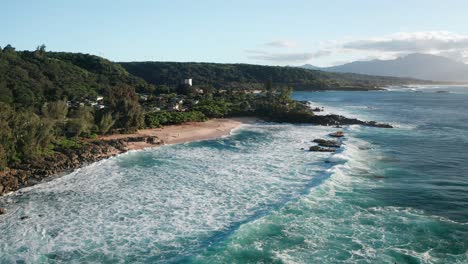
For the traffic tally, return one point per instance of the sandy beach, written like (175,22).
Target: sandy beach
(188,132)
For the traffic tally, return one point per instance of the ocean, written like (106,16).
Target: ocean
(387,196)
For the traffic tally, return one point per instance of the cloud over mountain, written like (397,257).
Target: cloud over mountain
(443,43)
(435,42)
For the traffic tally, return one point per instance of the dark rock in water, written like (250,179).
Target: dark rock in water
(24,217)
(320,149)
(338,120)
(375,124)
(327,143)
(308,117)
(2,211)
(337,134)
(327,161)
(316,109)
(302,148)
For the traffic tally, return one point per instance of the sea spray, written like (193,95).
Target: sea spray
(164,203)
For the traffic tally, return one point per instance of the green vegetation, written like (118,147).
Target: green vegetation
(161,118)
(213,108)
(33,78)
(49,98)
(246,76)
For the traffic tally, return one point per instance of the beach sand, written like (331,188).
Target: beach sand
(188,132)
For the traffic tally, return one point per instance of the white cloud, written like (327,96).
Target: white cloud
(289,57)
(458,55)
(412,42)
(442,43)
(281,44)
(322,53)
(255,51)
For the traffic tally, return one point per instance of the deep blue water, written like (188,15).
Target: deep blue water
(426,157)
(389,195)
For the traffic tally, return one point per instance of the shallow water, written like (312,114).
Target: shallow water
(390,195)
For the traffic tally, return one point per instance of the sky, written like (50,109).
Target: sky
(267,32)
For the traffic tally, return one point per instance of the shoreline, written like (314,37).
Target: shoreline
(183,133)
(67,161)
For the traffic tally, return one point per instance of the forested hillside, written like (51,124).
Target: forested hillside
(253,76)
(48,99)
(32,78)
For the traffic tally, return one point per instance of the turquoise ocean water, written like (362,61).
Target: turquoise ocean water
(389,195)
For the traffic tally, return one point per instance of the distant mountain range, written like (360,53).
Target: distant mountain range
(310,67)
(417,65)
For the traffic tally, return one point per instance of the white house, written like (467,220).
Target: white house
(188,82)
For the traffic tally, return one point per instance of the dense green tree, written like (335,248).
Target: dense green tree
(6,95)
(185,89)
(31,134)
(284,95)
(57,110)
(81,122)
(123,102)
(161,118)
(212,108)
(106,123)
(9,49)
(7,141)
(3,158)
(40,51)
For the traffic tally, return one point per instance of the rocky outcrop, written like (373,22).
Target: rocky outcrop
(307,116)
(65,159)
(337,120)
(321,149)
(327,143)
(337,134)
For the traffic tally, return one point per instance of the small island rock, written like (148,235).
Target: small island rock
(337,134)
(327,143)
(320,149)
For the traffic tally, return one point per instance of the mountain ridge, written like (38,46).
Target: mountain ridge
(416,65)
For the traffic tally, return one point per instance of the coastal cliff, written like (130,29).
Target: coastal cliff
(65,160)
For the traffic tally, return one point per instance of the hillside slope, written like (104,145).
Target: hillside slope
(249,76)
(32,78)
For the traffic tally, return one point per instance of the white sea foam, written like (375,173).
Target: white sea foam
(335,224)
(173,201)
(160,202)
